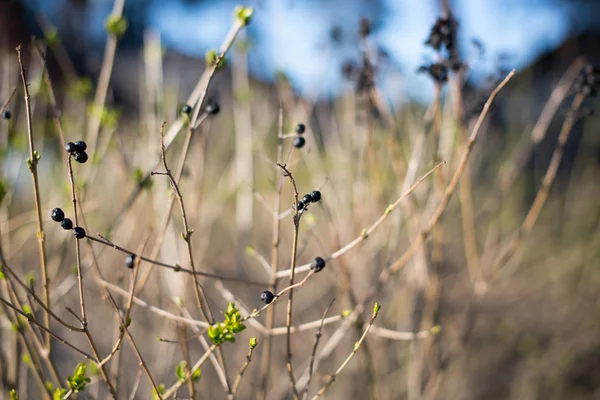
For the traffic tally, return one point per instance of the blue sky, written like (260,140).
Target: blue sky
(292,35)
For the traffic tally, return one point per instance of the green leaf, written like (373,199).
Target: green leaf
(51,36)
(2,275)
(180,371)
(161,389)
(243,14)
(94,368)
(196,374)
(78,381)
(49,386)
(3,189)
(81,88)
(59,394)
(26,359)
(30,279)
(14,395)
(143,183)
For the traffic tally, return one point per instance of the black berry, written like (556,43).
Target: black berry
(66,224)
(6,114)
(307,198)
(301,205)
(300,129)
(80,146)
(70,147)
(79,232)
(130,260)
(186,109)
(299,142)
(81,157)
(318,264)
(213,108)
(315,195)
(267,297)
(57,215)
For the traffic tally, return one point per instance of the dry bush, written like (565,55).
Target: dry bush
(486,280)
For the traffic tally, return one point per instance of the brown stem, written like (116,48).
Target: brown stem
(33,163)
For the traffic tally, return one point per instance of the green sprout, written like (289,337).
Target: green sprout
(226,330)
(78,381)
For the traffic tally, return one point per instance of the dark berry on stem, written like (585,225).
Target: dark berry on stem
(80,146)
(6,114)
(318,264)
(299,142)
(267,297)
(315,195)
(81,157)
(300,129)
(186,109)
(213,108)
(66,224)
(70,147)
(130,260)
(307,198)
(301,205)
(57,215)
(79,232)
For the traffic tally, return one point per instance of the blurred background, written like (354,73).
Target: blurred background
(359,75)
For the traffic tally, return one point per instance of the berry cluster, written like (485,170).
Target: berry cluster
(58,215)
(77,150)
(308,198)
(588,81)
(299,141)
(6,114)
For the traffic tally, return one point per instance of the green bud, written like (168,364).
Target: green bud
(213,58)
(376,308)
(253,342)
(116,26)
(243,14)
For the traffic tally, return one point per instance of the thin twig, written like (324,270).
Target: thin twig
(187,235)
(7,102)
(84,323)
(544,190)
(265,366)
(288,321)
(314,350)
(333,377)
(33,164)
(366,232)
(236,384)
(104,78)
(173,389)
(386,273)
(176,268)
(41,326)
